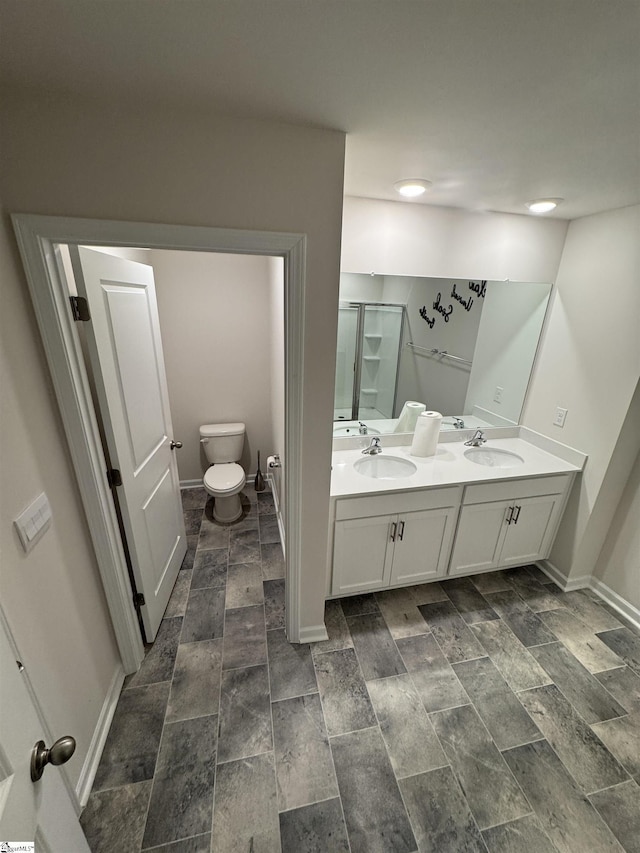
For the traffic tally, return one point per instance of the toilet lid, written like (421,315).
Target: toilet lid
(224,477)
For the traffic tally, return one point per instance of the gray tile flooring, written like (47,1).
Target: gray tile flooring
(492,713)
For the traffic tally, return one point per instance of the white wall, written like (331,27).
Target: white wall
(506,345)
(358,289)
(400,238)
(148,164)
(397,288)
(215,320)
(618,565)
(439,383)
(52,596)
(589,364)
(616,513)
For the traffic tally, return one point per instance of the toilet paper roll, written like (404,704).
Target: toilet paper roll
(273,461)
(425,438)
(409,416)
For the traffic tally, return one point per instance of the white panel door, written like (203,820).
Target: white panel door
(27,808)
(362,554)
(529,534)
(125,351)
(423,543)
(481,529)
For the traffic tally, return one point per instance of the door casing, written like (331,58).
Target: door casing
(37,237)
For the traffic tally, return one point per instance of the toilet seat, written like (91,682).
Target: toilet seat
(226,478)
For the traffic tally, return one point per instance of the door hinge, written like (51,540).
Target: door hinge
(114,478)
(138,599)
(80,308)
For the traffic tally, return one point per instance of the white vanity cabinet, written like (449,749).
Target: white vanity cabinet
(508,523)
(393,540)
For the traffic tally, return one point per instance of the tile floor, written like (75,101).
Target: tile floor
(492,713)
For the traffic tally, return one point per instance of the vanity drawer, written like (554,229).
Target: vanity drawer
(397,502)
(514,489)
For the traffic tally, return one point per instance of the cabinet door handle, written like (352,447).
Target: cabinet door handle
(394,528)
(517,516)
(510,515)
(401,533)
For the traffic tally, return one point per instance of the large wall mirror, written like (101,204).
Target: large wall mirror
(462,347)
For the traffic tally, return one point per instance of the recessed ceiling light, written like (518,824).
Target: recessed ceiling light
(412,187)
(543,205)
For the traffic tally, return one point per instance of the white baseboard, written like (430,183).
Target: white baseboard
(276,503)
(94,753)
(281,532)
(190,484)
(313,634)
(630,612)
(565,584)
(624,607)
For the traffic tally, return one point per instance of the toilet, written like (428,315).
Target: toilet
(224,479)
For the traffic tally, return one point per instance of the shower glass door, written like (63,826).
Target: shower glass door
(345,362)
(367,359)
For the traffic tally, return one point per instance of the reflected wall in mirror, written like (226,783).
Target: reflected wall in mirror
(462,347)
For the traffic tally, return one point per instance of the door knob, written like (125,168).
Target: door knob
(60,753)
(175,445)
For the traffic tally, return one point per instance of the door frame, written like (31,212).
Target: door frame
(37,236)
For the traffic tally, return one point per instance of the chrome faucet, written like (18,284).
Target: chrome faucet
(456,423)
(363,428)
(374,447)
(477,440)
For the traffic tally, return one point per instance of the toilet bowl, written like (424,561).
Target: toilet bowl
(224,479)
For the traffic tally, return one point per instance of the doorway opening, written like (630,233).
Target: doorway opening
(178,340)
(38,238)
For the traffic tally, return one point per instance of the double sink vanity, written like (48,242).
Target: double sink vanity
(398,519)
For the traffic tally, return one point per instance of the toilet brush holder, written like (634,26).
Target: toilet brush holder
(259,482)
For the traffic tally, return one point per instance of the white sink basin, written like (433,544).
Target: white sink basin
(492,457)
(352,430)
(382,467)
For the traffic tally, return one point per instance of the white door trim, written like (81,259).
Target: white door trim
(36,237)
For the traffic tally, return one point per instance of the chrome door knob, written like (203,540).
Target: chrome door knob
(175,445)
(60,753)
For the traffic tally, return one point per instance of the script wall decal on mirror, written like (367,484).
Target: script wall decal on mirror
(461,346)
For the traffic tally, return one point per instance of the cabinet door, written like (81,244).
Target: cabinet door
(423,544)
(362,554)
(529,535)
(481,529)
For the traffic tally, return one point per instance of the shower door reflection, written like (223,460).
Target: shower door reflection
(368,353)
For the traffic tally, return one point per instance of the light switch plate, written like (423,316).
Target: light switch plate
(559,419)
(34,522)
(498,394)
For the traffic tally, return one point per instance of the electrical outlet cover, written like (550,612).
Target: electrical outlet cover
(560,417)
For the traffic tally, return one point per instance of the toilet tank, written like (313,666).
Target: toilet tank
(222,442)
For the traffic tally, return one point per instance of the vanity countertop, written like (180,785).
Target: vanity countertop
(448,467)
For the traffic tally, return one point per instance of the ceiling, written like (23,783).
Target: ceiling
(495,101)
